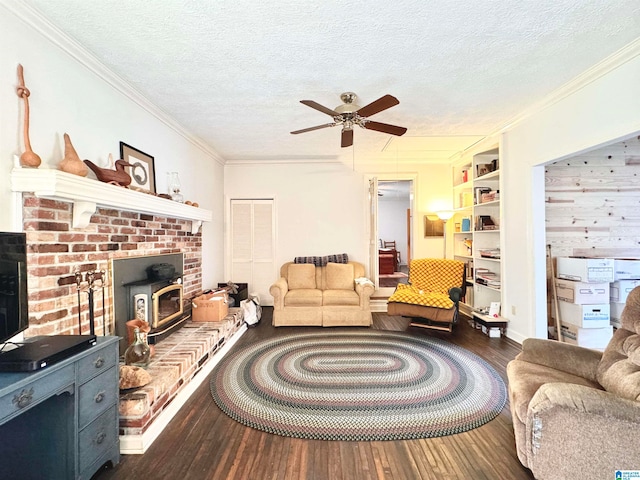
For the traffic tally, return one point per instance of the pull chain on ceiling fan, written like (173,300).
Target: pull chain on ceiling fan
(350,113)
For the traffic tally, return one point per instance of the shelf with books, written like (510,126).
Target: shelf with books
(480,247)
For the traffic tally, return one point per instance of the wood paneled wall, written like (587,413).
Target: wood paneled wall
(593,203)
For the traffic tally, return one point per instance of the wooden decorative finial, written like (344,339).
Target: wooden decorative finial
(28,158)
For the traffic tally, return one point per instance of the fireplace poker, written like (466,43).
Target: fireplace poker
(90,279)
(78,277)
(104,313)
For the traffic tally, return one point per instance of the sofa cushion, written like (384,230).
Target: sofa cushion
(301,276)
(339,276)
(303,297)
(340,297)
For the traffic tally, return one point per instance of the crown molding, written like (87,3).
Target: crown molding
(599,70)
(57,37)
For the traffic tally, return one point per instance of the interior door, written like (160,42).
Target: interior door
(253,245)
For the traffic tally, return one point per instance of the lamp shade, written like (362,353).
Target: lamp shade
(445,215)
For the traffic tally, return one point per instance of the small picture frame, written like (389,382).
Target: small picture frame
(433,228)
(142,170)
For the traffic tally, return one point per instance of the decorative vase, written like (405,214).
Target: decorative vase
(71,162)
(138,353)
(28,158)
(144,328)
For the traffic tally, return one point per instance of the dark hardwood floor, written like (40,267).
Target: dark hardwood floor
(201,442)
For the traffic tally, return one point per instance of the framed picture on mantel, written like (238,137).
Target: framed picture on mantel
(142,171)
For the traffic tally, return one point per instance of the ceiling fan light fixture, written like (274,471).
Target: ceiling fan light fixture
(350,113)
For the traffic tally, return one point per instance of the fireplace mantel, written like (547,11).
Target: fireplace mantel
(87,194)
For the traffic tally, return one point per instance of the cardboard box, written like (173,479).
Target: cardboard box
(591,270)
(616,313)
(596,338)
(585,316)
(620,290)
(210,307)
(582,292)
(626,269)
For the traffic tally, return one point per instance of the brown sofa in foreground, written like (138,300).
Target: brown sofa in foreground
(576,411)
(333,295)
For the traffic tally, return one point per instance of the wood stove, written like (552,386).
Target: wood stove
(135,280)
(159,303)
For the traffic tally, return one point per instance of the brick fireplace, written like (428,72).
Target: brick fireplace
(76,224)
(56,250)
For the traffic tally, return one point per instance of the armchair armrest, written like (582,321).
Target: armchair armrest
(278,290)
(364,289)
(565,357)
(455,294)
(575,431)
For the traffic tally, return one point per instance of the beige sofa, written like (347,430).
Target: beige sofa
(333,295)
(576,412)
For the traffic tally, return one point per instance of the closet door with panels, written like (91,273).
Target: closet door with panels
(253,245)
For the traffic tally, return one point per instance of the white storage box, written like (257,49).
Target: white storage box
(596,338)
(616,313)
(592,270)
(582,292)
(620,290)
(585,316)
(626,269)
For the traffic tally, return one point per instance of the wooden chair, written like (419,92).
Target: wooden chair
(392,244)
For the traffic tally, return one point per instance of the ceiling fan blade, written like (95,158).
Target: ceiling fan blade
(379,105)
(318,127)
(347,137)
(320,108)
(385,128)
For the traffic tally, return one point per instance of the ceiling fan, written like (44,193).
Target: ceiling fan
(350,113)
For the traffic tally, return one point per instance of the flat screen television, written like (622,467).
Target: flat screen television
(14,313)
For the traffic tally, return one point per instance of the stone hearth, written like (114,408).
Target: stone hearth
(180,364)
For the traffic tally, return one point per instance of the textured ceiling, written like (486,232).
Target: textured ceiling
(233,71)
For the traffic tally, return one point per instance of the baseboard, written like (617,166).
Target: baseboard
(378,305)
(138,444)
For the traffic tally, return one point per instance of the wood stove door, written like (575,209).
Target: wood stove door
(167,305)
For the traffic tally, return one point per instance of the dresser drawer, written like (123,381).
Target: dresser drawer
(32,393)
(98,437)
(96,396)
(96,362)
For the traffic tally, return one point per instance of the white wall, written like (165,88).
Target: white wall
(319,207)
(322,208)
(601,112)
(69,94)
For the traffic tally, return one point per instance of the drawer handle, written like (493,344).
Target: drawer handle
(99,397)
(99,362)
(100,437)
(24,399)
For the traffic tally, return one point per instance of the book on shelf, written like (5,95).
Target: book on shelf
(478,192)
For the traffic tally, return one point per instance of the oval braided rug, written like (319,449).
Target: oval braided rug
(358,385)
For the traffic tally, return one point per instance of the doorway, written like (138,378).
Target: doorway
(394,233)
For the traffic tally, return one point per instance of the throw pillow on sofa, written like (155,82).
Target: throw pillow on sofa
(339,276)
(301,275)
